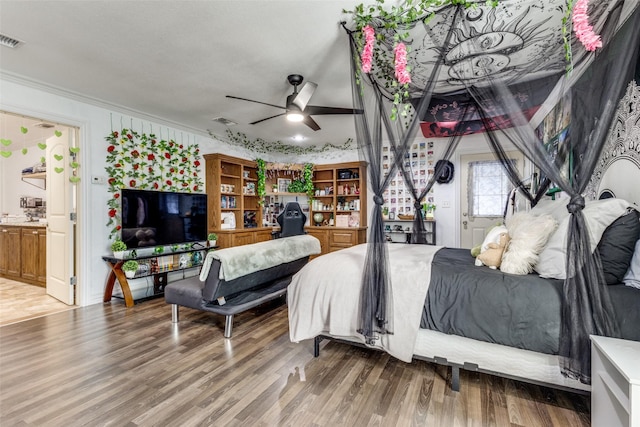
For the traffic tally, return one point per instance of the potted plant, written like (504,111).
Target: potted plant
(130,268)
(429,210)
(213,239)
(385,212)
(118,247)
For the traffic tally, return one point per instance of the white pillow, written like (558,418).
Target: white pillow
(632,278)
(493,236)
(599,214)
(529,234)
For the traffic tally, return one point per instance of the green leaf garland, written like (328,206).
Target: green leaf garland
(145,162)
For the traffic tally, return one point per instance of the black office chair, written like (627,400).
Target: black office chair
(292,220)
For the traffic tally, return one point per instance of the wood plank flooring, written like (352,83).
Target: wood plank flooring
(105,365)
(22,301)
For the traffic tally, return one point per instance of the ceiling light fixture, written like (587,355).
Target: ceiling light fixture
(295,116)
(298,138)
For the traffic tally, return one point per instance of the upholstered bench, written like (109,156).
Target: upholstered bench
(234,280)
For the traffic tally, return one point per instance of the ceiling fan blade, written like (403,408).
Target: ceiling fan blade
(311,123)
(304,95)
(272,117)
(317,110)
(257,102)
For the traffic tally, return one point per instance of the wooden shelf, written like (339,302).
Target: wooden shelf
(37,175)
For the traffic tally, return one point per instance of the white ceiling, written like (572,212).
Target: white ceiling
(176,60)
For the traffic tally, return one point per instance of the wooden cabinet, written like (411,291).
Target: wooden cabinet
(341,195)
(41,266)
(341,200)
(10,258)
(232,198)
(23,254)
(338,211)
(34,255)
(333,238)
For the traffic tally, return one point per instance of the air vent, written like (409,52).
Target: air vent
(9,42)
(224,121)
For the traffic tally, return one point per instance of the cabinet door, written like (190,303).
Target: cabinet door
(342,238)
(4,251)
(263,236)
(323,236)
(29,253)
(240,239)
(12,250)
(41,267)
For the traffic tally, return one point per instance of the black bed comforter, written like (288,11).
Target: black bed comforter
(513,310)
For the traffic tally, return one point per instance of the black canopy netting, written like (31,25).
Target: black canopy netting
(497,70)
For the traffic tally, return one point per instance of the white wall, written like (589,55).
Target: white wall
(94,123)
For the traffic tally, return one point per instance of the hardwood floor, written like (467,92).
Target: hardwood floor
(105,365)
(22,301)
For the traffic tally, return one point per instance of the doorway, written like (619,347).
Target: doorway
(484,189)
(37,163)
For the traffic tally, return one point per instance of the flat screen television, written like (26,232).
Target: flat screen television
(155,218)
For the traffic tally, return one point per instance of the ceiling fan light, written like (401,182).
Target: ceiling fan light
(294,116)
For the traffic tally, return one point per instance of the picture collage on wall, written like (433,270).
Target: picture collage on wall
(420,161)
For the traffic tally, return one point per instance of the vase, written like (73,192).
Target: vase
(318,218)
(213,243)
(129,274)
(118,254)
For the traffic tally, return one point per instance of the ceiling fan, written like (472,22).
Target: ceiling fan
(296,108)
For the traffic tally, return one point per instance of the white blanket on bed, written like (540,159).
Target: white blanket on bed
(324,296)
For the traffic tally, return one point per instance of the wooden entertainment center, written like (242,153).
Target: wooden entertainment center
(340,198)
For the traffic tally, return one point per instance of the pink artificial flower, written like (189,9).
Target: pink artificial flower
(367,51)
(590,40)
(402,75)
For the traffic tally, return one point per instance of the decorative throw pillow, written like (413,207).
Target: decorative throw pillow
(529,234)
(493,236)
(598,214)
(617,245)
(632,278)
(492,257)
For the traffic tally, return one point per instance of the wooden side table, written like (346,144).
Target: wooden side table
(615,382)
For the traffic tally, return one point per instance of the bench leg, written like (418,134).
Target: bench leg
(455,378)
(174,313)
(228,326)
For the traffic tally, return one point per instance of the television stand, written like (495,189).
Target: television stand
(156,265)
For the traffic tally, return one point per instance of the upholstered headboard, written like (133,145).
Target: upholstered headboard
(617,173)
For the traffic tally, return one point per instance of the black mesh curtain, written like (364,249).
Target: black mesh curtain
(372,129)
(594,97)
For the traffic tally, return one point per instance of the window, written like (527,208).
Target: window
(489,188)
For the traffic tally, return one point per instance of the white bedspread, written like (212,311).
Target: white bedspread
(324,296)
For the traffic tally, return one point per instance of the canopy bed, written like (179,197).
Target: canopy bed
(490,69)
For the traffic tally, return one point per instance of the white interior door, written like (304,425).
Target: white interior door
(473,227)
(60,227)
